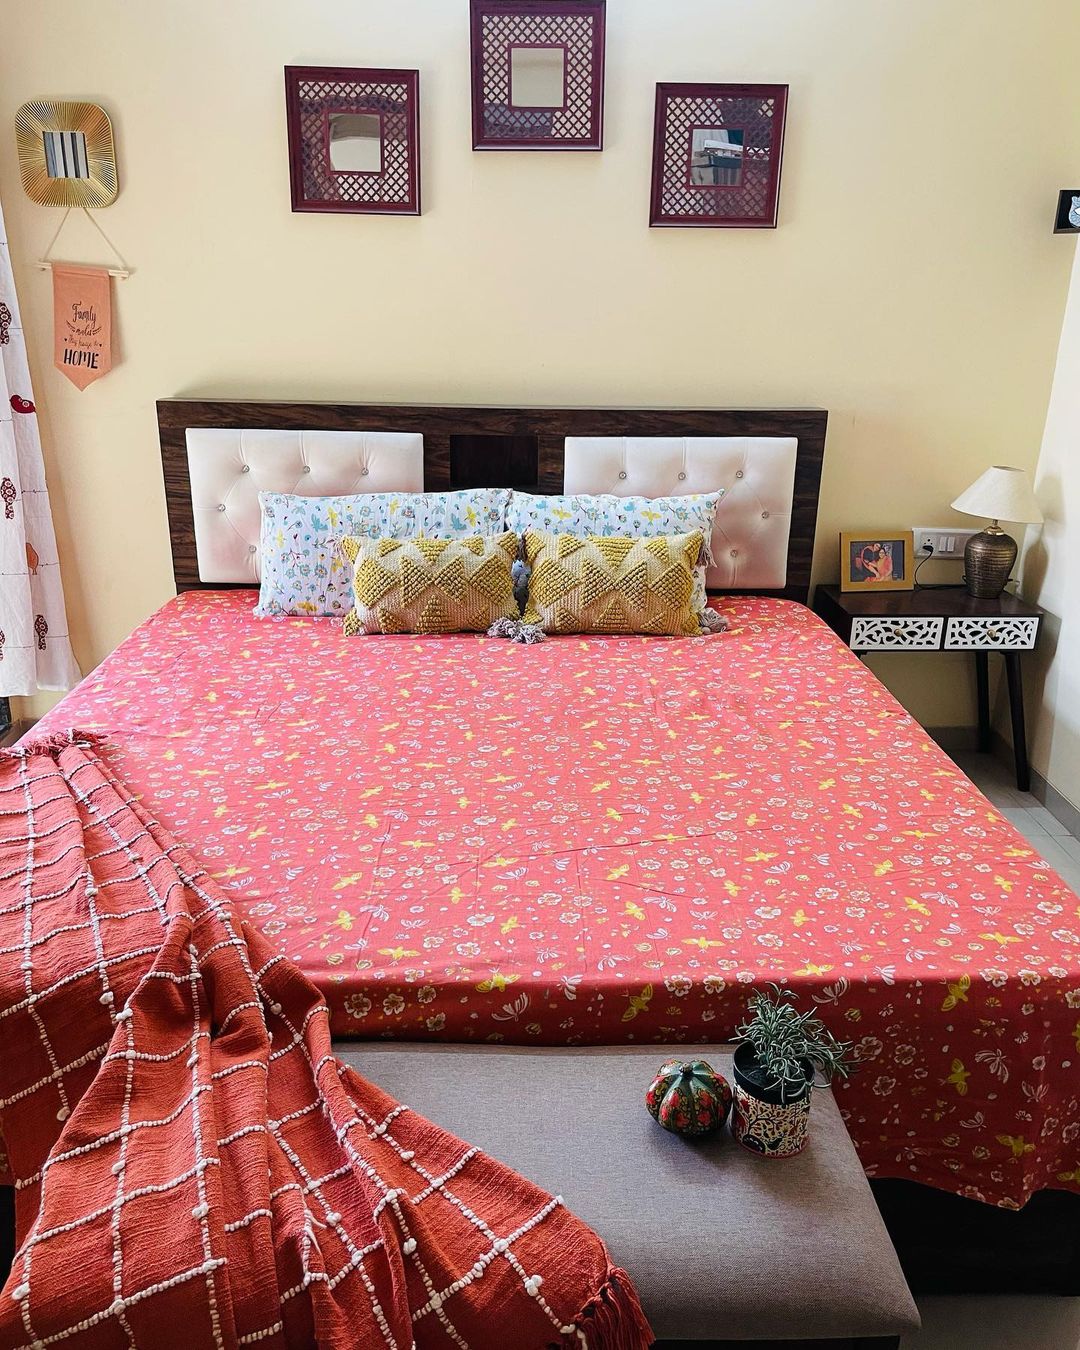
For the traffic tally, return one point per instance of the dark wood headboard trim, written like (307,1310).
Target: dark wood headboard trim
(437,424)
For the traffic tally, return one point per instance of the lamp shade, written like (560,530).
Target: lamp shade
(1002,493)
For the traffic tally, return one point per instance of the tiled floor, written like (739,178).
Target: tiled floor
(1008,1323)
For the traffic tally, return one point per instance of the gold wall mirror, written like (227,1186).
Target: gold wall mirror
(66,153)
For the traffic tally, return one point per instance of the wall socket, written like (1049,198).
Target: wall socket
(947,541)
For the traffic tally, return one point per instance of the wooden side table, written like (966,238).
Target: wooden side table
(944,619)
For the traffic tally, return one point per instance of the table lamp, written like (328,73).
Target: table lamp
(1003,493)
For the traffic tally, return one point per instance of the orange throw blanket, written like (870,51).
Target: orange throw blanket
(193,1167)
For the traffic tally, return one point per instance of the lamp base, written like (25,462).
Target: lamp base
(988,562)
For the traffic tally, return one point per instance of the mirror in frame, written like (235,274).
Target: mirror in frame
(538,74)
(717,150)
(354,139)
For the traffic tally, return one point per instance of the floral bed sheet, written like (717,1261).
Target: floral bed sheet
(605,840)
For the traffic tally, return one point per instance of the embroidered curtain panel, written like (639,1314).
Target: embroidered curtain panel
(35,650)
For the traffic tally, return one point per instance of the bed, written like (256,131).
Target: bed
(610,840)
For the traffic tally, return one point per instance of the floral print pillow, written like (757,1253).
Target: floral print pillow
(582,514)
(302,571)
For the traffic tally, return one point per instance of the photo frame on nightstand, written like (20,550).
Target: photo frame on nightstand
(877,562)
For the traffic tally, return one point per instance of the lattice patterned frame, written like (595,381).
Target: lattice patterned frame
(578,27)
(312,94)
(759,112)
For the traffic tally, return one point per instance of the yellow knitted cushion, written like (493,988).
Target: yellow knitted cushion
(430,585)
(612,583)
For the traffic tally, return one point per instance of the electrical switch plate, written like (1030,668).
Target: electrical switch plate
(947,540)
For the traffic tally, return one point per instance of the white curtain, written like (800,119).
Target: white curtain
(35,650)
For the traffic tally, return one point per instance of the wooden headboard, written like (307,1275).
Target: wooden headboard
(492,447)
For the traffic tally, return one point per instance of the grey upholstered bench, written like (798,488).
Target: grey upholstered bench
(723,1245)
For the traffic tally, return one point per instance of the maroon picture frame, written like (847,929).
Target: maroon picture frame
(312,95)
(578,27)
(751,199)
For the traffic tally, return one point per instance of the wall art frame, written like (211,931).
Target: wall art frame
(877,562)
(717,152)
(573,32)
(1067,216)
(66,153)
(354,139)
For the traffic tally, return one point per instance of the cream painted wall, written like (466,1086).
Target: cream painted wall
(913,287)
(1051,571)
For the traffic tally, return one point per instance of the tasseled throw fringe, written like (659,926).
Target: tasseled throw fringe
(613,1320)
(54,742)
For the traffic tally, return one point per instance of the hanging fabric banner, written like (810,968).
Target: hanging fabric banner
(82,322)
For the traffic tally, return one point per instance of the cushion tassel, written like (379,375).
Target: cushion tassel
(612,1320)
(516,631)
(713,622)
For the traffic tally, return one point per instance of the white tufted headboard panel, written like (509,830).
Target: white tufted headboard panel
(757,473)
(229,468)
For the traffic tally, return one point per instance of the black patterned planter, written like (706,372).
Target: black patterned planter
(761,1121)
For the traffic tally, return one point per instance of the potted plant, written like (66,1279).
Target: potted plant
(780,1052)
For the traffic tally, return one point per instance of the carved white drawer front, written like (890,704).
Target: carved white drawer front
(899,634)
(976,634)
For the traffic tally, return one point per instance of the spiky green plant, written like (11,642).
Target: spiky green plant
(785,1040)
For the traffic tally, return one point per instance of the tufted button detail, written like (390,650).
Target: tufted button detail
(253,548)
(622,474)
(364,471)
(682,478)
(738,473)
(764,515)
(734,552)
(227,468)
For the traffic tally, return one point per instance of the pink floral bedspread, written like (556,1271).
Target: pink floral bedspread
(609,839)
